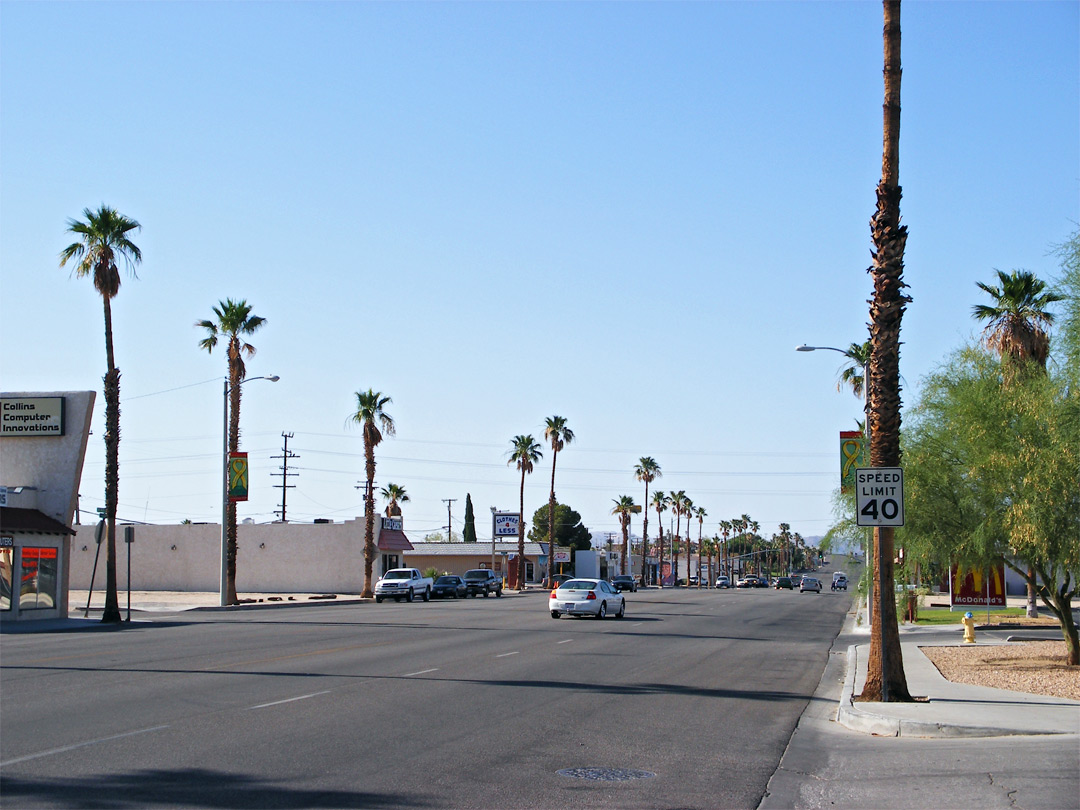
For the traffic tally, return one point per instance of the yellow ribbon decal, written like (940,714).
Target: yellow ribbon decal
(851,450)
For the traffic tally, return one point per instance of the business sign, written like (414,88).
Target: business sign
(879,496)
(238,476)
(980,587)
(32,416)
(561,555)
(392,523)
(852,457)
(506,524)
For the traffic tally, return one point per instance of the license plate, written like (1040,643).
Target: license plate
(568,606)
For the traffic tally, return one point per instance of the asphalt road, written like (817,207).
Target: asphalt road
(470,704)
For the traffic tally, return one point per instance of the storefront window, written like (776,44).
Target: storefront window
(38,589)
(6,555)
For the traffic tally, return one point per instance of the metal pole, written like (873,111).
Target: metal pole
(223,581)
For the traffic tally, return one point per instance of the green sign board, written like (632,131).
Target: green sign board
(853,455)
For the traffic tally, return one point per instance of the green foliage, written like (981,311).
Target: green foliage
(432,572)
(568,528)
(439,537)
(470,521)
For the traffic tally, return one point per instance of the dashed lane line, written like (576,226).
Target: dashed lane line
(64,748)
(289,700)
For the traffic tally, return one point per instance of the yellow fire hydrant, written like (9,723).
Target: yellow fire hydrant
(969,628)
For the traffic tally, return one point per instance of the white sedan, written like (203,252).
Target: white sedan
(586,597)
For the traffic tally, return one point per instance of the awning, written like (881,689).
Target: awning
(394,540)
(17,519)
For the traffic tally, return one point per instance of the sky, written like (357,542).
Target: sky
(626,214)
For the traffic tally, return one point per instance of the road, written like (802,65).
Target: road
(469,704)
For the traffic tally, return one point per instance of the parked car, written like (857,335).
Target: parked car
(624,582)
(722,581)
(783,582)
(762,582)
(559,579)
(482,580)
(403,583)
(586,597)
(810,584)
(449,586)
(839,582)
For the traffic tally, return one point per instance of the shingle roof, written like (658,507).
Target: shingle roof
(17,519)
(476,549)
(394,540)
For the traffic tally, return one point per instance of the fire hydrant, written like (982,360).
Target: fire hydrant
(969,628)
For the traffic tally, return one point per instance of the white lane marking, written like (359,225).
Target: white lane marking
(289,700)
(567,641)
(421,672)
(62,749)
(504,655)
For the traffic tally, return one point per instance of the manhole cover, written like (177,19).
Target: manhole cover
(606,774)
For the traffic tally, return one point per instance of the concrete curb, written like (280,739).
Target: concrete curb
(854,716)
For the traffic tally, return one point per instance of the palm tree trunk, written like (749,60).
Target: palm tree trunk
(551,513)
(521,537)
(885,679)
(234,446)
(111,614)
(369,516)
(645,535)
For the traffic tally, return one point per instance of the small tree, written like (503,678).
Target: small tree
(470,521)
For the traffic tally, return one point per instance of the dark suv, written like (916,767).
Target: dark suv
(481,580)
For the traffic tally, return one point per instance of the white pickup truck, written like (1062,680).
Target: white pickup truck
(403,583)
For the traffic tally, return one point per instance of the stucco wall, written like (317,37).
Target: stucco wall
(274,558)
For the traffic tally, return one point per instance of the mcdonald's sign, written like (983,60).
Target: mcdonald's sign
(980,586)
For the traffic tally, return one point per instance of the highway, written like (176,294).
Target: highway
(687,702)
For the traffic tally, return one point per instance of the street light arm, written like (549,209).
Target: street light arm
(805,348)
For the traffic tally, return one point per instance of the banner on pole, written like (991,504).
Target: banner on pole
(238,477)
(852,456)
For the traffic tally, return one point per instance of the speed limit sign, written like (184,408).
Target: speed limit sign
(879,496)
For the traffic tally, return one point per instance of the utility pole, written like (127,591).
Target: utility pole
(449,503)
(285,486)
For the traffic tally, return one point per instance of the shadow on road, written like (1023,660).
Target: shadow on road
(194,787)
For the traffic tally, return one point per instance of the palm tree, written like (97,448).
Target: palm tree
(785,539)
(725,530)
(559,435)
(232,320)
(885,679)
(524,453)
(852,373)
(1016,330)
(660,503)
(624,508)
(395,495)
(688,510)
(676,499)
(699,513)
(102,238)
(371,415)
(1017,319)
(646,470)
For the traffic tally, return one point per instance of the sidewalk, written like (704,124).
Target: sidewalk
(951,709)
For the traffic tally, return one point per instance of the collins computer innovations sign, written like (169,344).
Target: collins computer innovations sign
(32,416)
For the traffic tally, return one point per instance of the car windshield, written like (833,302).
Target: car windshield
(446,581)
(478,573)
(578,585)
(398,575)
(623,578)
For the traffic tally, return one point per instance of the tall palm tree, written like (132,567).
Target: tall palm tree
(785,539)
(524,453)
(1016,330)
(688,510)
(232,321)
(102,239)
(677,501)
(1018,319)
(699,513)
(372,417)
(624,508)
(885,679)
(660,503)
(853,371)
(395,496)
(558,435)
(647,471)
(725,531)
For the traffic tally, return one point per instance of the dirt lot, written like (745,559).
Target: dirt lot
(1037,667)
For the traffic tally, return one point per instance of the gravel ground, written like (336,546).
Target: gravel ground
(1037,667)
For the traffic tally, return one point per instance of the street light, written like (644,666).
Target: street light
(224,580)
(865,384)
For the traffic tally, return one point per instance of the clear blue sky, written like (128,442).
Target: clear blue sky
(628,214)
